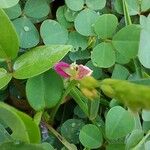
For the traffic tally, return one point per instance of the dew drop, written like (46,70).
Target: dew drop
(26,28)
(73,124)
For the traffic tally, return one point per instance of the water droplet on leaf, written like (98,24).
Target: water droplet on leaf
(26,28)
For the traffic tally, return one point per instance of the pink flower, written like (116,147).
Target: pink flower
(72,71)
(60,69)
(83,71)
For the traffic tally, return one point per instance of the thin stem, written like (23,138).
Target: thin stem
(68,145)
(142,141)
(78,97)
(9,65)
(137,68)
(55,109)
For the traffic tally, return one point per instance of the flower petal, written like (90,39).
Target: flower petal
(83,71)
(60,69)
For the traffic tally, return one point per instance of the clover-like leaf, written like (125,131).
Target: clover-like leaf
(53,33)
(86,27)
(42,91)
(125,44)
(103,55)
(106,25)
(119,123)
(28,34)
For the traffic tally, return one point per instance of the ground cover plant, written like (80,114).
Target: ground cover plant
(74,74)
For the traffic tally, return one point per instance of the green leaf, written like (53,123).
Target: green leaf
(70,130)
(75,5)
(122,59)
(47,146)
(70,15)
(4,78)
(53,33)
(147,145)
(105,26)
(48,93)
(86,27)
(31,127)
(45,57)
(95,4)
(115,147)
(145,5)
(22,146)
(127,45)
(8,3)
(36,9)
(13,12)
(144,51)
(23,127)
(133,6)
(134,138)
(120,72)
(14,122)
(28,34)
(79,55)
(103,55)
(119,123)
(146,115)
(9,44)
(78,41)
(91,137)
(78,112)
(62,19)
(4,135)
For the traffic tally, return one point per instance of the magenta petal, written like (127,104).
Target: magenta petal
(83,71)
(60,67)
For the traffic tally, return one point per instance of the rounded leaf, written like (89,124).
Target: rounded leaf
(60,15)
(134,138)
(144,51)
(28,34)
(70,130)
(119,123)
(75,5)
(86,27)
(146,115)
(70,15)
(36,8)
(13,12)
(91,137)
(39,60)
(106,25)
(103,55)
(42,91)
(53,33)
(127,45)
(78,41)
(95,4)
(8,3)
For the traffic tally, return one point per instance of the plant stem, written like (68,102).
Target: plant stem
(142,141)
(79,99)
(67,91)
(68,145)
(9,65)
(137,68)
